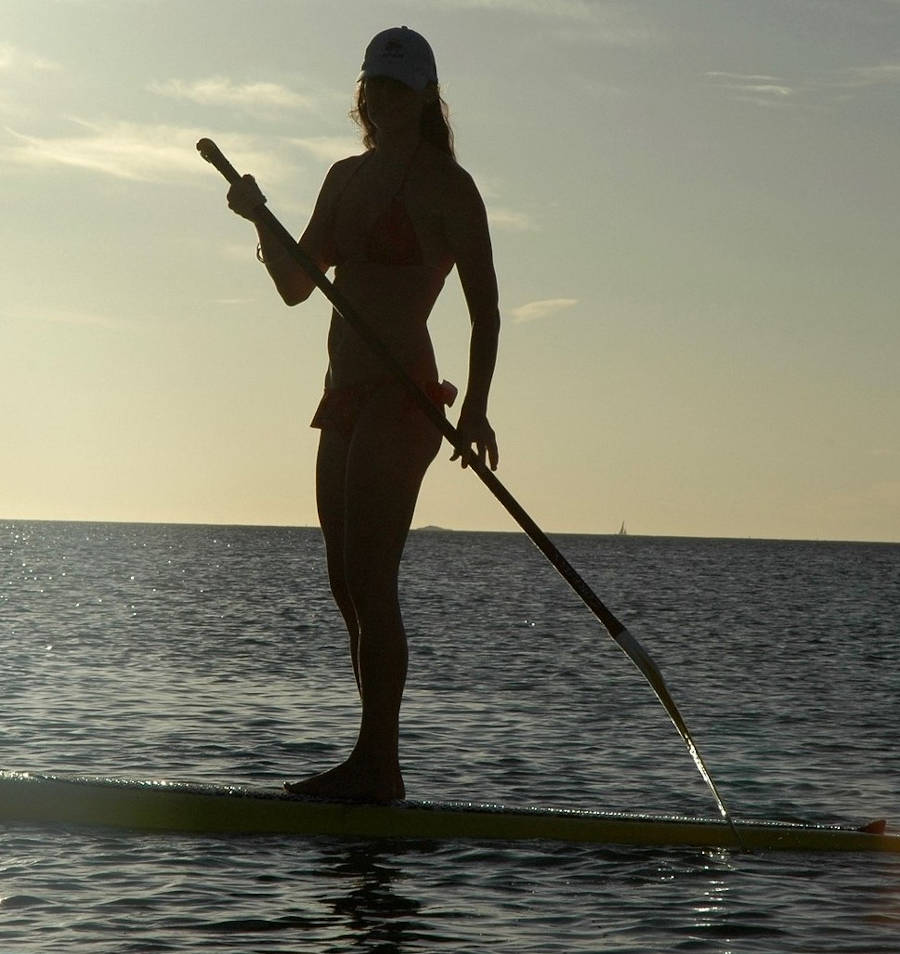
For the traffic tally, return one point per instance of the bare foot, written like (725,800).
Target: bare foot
(353,780)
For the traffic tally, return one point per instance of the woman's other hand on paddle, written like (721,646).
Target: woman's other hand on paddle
(245,198)
(475,432)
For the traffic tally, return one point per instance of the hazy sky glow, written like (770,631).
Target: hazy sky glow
(695,212)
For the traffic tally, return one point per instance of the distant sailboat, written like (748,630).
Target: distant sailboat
(622,531)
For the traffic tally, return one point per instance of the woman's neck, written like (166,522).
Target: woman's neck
(398,146)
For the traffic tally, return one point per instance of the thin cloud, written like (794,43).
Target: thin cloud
(814,90)
(21,71)
(544,308)
(132,151)
(742,77)
(69,316)
(758,88)
(884,74)
(121,150)
(21,61)
(754,82)
(221,91)
(509,221)
(327,148)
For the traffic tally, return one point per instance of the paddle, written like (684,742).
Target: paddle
(631,647)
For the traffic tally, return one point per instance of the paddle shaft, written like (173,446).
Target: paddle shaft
(629,645)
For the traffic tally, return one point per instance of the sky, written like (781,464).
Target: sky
(694,208)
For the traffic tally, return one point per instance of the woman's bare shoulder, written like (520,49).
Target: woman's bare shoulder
(454,182)
(342,171)
(443,165)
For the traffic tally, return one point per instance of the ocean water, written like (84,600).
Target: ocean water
(214,654)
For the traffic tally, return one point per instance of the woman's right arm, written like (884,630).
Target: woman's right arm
(293,284)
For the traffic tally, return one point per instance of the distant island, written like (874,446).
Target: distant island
(431,528)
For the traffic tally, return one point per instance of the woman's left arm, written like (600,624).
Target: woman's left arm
(470,243)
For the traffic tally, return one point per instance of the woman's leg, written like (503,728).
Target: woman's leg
(331,473)
(385,462)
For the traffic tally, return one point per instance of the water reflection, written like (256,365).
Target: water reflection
(366,893)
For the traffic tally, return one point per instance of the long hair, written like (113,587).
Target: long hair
(435,128)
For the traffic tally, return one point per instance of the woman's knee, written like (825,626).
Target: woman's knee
(340,591)
(370,585)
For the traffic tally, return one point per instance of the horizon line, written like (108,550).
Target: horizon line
(433,528)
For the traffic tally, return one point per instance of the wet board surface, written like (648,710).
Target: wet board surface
(161,806)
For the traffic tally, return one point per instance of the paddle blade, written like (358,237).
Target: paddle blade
(641,658)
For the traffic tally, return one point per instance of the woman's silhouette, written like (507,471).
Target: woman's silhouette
(393,222)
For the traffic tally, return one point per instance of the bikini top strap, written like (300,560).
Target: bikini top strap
(336,204)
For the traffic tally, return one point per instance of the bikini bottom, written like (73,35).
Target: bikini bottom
(340,408)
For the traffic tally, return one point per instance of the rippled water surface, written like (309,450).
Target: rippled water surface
(214,654)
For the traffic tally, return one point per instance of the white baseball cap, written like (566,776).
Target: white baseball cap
(402,54)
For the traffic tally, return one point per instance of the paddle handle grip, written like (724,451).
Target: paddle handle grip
(212,154)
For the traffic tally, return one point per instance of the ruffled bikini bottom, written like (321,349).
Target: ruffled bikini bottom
(340,408)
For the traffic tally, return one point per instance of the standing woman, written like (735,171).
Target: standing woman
(393,222)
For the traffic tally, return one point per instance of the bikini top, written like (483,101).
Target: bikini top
(392,238)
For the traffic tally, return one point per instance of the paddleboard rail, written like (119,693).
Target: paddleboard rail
(164,806)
